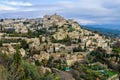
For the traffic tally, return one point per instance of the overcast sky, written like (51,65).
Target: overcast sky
(83,11)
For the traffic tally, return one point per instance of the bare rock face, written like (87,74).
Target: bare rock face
(63,75)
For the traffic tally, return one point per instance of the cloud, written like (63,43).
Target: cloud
(93,11)
(84,11)
(84,21)
(66,4)
(7,8)
(15,3)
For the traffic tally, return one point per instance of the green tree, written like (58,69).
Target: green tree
(0,43)
(37,63)
(24,44)
(3,73)
(29,33)
(15,69)
(17,58)
(31,71)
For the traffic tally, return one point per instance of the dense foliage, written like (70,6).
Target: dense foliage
(14,67)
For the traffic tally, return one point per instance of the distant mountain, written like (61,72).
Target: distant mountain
(106,26)
(108,30)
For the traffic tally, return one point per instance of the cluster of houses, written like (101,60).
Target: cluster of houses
(61,29)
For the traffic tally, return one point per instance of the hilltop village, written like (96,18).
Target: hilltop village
(59,46)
